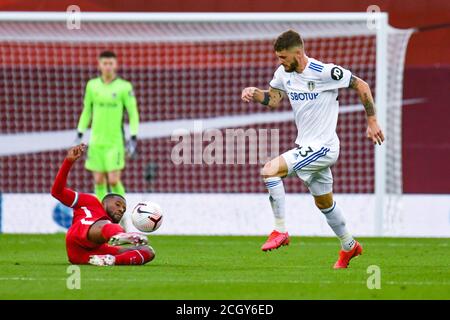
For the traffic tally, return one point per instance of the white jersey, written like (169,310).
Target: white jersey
(313,95)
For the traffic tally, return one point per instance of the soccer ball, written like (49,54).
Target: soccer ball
(147,216)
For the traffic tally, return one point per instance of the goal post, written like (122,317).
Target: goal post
(381,108)
(45,65)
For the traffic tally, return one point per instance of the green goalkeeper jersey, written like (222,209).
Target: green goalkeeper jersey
(104,104)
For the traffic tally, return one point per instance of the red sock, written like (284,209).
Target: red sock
(134,257)
(111,229)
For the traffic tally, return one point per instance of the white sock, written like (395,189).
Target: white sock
(277,201)
(336,221)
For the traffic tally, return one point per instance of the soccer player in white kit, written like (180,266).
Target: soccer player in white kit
(312,89)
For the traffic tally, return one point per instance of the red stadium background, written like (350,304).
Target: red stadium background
(426,137)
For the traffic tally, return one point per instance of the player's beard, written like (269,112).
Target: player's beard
(292,67)
(112,215)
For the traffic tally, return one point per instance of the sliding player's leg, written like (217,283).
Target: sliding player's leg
(272,173)
(83,241)
(321,187)
(107,255)
(103,231)
(111,236)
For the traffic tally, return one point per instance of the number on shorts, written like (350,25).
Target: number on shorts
(306,152)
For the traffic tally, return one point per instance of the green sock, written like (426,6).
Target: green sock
(100,191)
(118,188)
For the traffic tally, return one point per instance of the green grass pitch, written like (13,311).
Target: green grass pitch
(228,267)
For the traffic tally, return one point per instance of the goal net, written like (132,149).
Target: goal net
(188,69)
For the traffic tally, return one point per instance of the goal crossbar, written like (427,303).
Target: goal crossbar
(24,16)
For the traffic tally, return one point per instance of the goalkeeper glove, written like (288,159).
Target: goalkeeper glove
(78,139)
(132,146)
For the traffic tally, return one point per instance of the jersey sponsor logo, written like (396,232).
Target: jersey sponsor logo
(108,104)
(337,73)
(311,85)
(315,66)
(296,96)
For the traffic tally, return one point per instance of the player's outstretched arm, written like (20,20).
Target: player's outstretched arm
(86,114)
(374,132)
(133,117)
(67,196)
(271,97)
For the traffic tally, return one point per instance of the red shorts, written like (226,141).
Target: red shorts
(79,248)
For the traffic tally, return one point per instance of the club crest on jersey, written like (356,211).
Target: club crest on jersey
(114,95)
(288,83)
(311,85)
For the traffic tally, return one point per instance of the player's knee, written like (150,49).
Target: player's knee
(323,202)
(275,168)
(113,181)
(151,254)
(147,253)
(99,179)
(269,170)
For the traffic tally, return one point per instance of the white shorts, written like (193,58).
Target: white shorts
(312,165)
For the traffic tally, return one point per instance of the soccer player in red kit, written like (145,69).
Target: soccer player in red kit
(95,236)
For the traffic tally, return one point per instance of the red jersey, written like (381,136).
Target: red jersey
(87,209)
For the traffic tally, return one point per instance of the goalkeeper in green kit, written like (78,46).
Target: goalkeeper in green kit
(105,99)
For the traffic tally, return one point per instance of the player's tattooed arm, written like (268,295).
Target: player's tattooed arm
(271,97)
(374,132)
(353,81)
(368,104)
(365,95)
(274,99)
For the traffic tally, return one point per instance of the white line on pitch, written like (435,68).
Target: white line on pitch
(298,281)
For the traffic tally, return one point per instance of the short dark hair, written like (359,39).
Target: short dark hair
(110,195)
(288,40)
(107,54)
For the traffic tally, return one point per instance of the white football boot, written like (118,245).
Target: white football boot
(133,238)
(102,260)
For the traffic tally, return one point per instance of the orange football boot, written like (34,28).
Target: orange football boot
(346,256)
(276,239)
